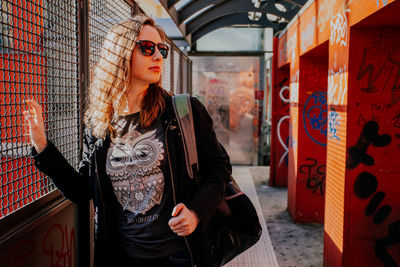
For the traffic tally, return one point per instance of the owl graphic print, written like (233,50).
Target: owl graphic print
(133,165)
(137,167)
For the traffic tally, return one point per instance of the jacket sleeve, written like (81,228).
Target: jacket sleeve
(75,185)
(214,164)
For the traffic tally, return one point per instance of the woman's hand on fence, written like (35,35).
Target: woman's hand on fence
(184,221)
(36,125)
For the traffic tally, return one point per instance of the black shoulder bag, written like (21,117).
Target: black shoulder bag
(235,226)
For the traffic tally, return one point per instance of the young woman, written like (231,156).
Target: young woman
(148,211)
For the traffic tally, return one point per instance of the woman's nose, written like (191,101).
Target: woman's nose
(157,55)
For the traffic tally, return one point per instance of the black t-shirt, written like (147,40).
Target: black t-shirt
(138,169)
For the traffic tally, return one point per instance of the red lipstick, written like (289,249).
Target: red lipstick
(155,68)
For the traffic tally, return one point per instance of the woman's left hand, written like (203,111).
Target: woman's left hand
(184,221)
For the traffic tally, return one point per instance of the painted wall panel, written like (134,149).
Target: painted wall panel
(280,124)
(313,124)
(335,215)
(363,86)
(374,109)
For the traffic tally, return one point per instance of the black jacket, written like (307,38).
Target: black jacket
(92,182)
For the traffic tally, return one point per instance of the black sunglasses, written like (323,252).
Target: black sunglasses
(148,48)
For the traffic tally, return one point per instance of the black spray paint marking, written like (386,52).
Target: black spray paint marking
(358,153)
(386,68)
(374,203)
(365,186)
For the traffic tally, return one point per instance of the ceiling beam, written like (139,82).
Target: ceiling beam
(234,19)
(299,3)
(226,13)
(234,7)
(194,6)
(174,16)
(171,3)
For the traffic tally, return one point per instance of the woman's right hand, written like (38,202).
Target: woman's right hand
(36,125)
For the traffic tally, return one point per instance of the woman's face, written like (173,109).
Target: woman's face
(147,69)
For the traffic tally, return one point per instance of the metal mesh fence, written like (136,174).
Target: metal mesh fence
(38,60)
(176,60)
(166,72)
(102,15)
(184,73)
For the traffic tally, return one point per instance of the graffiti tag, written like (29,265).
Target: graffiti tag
(315,117)
(337,86)
(334,124)
(284,98)
(59,245)
(384,2)
(307,36)
(285,147)
(339,28)
(315,175)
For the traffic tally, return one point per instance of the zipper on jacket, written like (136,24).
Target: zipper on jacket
(173,188)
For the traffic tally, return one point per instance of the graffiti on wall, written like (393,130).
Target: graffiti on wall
(284,157)
(340,28)
(284,94)
(307,35)
(384,2)
(366,184)
(315,175)
(334,124)
(383,65)
(325,13)
(337,86)
(358,153)
(57,246)
(315,117)
(283,134)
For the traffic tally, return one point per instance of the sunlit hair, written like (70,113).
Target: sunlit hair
(111,78)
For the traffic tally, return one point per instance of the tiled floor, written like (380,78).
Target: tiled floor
(262,253)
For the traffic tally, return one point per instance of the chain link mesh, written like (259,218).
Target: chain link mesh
(175,54)
(102,15)
(166,71)
(38,60)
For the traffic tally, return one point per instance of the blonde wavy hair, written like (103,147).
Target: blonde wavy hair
(112,75)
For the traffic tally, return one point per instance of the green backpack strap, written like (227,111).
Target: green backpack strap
(183,113)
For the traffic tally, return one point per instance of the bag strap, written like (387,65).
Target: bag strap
(183,113)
